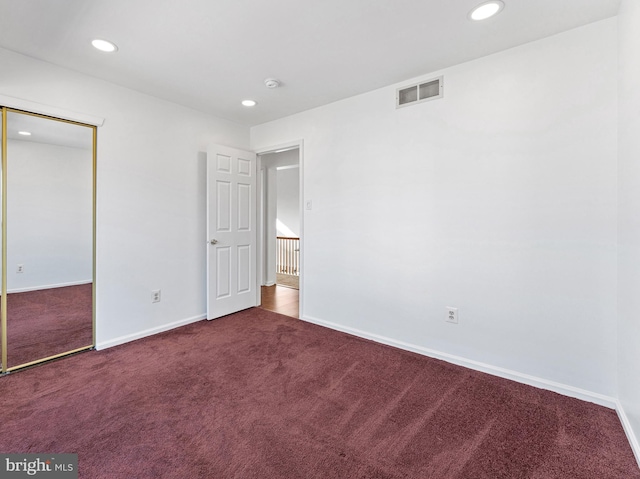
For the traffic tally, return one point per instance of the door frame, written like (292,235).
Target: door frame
(261,220)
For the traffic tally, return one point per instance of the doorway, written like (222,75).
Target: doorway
(281,229)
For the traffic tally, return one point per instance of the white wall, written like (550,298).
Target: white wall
(629,214)
(270,204)
(289,200)
(151,194)
(49,214)
(499,199)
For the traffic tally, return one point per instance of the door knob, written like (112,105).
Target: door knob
(213,241)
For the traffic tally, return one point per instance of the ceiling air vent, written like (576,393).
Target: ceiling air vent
(424,91)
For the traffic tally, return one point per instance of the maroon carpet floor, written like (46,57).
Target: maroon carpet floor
(260,395)
(48,322)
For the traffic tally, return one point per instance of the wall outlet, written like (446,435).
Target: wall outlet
(452,315)
(20,268)
(155,296)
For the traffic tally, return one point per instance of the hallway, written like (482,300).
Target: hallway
(281,299)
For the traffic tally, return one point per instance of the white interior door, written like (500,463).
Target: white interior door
(231,231)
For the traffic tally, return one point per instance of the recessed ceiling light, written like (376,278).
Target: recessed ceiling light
(24,133)
(486,10)
(249,102)
(104,45)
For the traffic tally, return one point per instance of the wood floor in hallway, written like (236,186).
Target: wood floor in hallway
(281,299)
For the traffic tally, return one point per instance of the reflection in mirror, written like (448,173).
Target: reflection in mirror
(49,221)
(3,323)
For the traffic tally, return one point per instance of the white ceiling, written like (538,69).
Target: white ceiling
(211,54)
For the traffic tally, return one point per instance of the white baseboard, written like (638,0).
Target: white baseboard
(564,389)
(49,286)
(633,439)
(270,283)
(149,332)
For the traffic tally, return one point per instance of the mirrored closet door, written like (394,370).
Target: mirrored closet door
(48,231)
